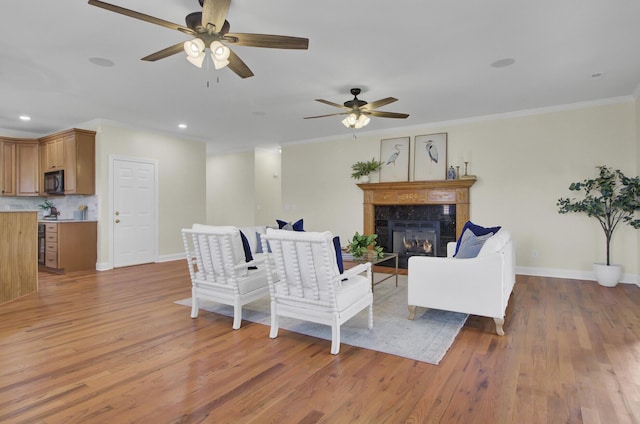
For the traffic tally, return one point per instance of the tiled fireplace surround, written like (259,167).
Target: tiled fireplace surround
(421,216)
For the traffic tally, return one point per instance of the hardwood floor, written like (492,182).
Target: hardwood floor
(111,347)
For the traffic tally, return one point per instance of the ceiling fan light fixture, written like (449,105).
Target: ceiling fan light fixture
(194,48)
(219,54)
(195,51)
(362,121)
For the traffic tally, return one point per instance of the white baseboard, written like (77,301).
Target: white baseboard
(572,274)
(172,257)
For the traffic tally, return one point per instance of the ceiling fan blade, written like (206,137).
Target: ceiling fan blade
(169,51)
(238,66)
(324,116)
(141,16)
(381,114)
(378,103)
(268,41)
(327,102)
(214,12)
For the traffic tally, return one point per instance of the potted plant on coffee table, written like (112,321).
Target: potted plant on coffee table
(361,170)
(360,243)
(611,198)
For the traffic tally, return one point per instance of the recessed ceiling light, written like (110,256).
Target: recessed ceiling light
(503,63)
(182,126)
(597,74)
(101,61)
(25,118)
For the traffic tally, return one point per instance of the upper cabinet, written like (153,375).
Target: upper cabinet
(74,152)
(19,167)
(27,175)
(7,167)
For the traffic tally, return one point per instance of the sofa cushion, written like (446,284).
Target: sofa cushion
(477,230)
(296,226)
(495,243)
(470,244)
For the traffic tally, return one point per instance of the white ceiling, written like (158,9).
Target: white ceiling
(434,56)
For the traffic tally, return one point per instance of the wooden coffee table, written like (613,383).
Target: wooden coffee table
(349,263)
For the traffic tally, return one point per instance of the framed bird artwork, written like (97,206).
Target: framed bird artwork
(430,157)
(394,155)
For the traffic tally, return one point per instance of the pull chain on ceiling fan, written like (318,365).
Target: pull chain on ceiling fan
(210,28)
(358,111)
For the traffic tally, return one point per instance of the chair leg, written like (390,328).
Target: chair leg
(194,304)
(499,323)
(237,315)
(335,338)
(370,315)
(274,321)
(412,311)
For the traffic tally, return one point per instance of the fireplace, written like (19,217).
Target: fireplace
(416,218)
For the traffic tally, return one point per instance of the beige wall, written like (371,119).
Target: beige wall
(523,163)
(182,183)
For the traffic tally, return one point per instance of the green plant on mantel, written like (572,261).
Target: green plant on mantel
(611,198)
(361,169)
(359,245)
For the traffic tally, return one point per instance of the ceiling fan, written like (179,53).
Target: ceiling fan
(358,111)
(210,28)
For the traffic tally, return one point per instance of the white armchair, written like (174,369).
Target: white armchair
(219,271)
(479,286)
(306,284)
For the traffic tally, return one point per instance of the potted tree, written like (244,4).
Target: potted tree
(611,198)
(361,170)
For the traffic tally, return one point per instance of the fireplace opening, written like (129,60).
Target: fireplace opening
(410,230)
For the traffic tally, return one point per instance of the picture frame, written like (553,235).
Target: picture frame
(394,154)
(430,157)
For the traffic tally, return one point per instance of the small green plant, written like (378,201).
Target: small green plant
(361,169)
(359,245)
(46,205)
(611,198)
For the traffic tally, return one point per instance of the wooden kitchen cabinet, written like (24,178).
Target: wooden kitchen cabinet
(71,246)
(27,175)
(19,167)
(73,151)
(7,168)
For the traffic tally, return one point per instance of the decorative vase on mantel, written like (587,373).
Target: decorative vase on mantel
(364,179)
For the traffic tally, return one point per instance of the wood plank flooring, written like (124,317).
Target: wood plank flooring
(111,347)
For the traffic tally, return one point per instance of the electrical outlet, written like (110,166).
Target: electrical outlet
(534,253)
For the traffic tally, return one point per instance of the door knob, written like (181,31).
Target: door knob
(117,221)
(117,213)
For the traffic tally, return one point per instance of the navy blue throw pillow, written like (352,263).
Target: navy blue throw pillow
(296,226)
(477,230)
(336,244)
(248,257)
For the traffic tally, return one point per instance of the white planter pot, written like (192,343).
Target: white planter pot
(364,179)
(607,275)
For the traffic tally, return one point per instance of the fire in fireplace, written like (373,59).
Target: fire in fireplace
(410,230)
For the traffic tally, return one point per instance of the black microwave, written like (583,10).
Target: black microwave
(54,182)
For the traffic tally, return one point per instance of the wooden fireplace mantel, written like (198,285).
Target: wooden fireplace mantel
(441,192)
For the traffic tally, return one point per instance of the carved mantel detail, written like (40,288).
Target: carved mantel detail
(442,192)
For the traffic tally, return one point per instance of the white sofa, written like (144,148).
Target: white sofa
(479,286)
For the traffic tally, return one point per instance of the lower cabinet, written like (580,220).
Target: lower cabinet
(71,246)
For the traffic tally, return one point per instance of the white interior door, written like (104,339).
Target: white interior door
(134,216)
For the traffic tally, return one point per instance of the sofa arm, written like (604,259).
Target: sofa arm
(472,286)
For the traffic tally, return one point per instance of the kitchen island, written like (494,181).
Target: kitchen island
(18,254)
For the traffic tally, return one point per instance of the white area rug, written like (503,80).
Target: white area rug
(426,338)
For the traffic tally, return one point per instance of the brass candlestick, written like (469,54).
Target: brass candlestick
(466,175)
